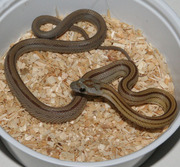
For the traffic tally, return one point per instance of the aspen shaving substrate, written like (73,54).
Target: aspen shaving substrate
(100,132)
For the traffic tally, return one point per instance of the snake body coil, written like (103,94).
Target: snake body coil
(45,42)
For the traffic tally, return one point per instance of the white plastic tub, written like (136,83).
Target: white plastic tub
(155,18)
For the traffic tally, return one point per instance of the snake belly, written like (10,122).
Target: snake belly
(46,42)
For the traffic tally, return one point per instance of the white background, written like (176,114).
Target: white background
(167,155)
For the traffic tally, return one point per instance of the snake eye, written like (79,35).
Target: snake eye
(82,89)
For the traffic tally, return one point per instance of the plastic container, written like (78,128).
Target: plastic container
(158,22)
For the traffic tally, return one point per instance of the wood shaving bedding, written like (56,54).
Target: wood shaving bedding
(100,132)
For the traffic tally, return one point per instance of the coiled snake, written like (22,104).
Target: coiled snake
(46,42)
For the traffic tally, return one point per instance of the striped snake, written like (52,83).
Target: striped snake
(46,41)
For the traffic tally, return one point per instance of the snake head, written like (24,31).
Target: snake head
(87,86)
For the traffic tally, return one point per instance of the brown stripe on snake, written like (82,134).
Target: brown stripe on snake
(48,43)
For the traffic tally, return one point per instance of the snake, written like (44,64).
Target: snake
(95,83)
(47,41)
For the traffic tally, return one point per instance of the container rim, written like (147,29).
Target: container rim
(174,21)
